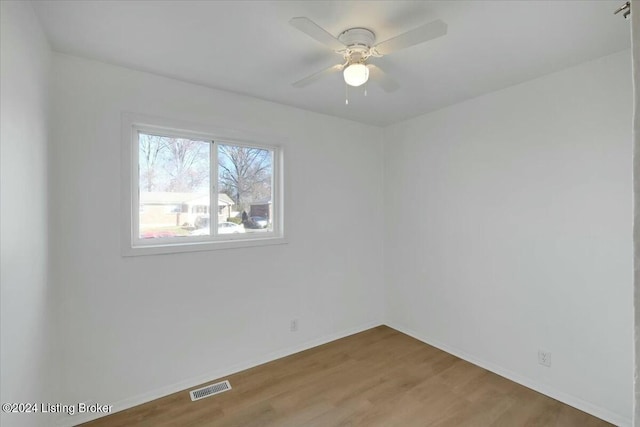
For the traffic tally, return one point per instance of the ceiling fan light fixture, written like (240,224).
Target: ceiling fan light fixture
(356,74)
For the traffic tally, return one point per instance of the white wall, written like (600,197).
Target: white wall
(138,327)
(519,232)
(27,362)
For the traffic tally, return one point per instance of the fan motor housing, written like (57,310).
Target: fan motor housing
(357,37)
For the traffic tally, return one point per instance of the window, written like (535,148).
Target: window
(198,191)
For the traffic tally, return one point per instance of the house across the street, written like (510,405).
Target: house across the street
(166,209)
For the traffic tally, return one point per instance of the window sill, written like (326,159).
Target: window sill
(173,248)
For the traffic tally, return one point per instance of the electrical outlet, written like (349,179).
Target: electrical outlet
(294,325)
(544,358)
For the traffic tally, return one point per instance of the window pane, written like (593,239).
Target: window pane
(245,180)
(174,186)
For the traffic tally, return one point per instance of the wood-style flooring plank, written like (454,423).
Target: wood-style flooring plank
(379,377)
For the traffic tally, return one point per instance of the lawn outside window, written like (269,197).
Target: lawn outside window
(190,190)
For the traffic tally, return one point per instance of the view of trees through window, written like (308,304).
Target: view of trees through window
(244,174)
(173,164)
(174,182)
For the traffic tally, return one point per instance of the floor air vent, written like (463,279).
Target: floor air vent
(210,390)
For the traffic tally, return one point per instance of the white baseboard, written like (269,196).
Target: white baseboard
(130,402)
(570,400)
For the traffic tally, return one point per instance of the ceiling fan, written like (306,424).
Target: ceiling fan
(357,45)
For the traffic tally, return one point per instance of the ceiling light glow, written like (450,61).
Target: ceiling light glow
(356,74)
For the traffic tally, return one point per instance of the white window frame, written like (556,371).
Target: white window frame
(132,245)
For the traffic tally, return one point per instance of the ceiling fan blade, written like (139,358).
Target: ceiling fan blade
(316,32)
(418,35)
(317,76)
(386,83)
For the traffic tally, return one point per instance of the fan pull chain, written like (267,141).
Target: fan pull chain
(365,87)
(346,94)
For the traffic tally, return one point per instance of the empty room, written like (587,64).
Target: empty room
(319,213)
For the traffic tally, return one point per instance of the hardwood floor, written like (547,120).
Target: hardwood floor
(379,377)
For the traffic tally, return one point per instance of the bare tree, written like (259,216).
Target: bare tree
(182,165)
(244,173)
(186,164)
(150,147)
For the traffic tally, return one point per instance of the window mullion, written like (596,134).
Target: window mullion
(213,190)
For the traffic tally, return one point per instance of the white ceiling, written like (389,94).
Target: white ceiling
(248,47)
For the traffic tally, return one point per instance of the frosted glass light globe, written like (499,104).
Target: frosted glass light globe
(356,74)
